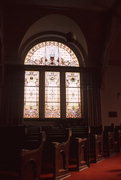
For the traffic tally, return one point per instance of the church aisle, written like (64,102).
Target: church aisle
(107,169)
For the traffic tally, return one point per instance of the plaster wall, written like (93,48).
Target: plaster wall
(111,95)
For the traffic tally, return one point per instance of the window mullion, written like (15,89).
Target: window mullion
(42,95)
(63,95)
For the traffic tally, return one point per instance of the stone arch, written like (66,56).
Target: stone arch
(61,25)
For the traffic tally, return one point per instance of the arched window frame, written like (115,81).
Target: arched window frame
(61,69)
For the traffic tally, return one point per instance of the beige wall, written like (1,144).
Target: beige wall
(110,100)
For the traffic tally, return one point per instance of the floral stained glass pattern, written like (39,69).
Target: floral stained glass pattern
(31,94)
(73,109)
(51,53)
(52,94)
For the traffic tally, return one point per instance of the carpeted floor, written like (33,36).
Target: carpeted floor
(107,169)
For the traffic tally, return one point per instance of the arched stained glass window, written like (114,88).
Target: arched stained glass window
(51,53)
(49,91)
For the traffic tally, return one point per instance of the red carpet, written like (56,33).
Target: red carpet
(108,169)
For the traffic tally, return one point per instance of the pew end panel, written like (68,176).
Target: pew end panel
(96,143)
(117,139)
(56,151)
(108,141)
(79,148)
(96,147)
(15,161)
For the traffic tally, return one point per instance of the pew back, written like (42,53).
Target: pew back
(11,143)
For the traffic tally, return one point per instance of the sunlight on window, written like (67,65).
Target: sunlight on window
(43,86)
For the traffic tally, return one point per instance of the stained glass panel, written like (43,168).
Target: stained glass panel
(51,53)
(73,110)
(73,101)
(52,94)
(52,110)
(72,94)
(31,94)
(72,79)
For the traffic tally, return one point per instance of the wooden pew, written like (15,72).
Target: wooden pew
(33,136)
(79,148)
(117,138)
(56,152)
(96,143)
(108,140)
(17,163)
